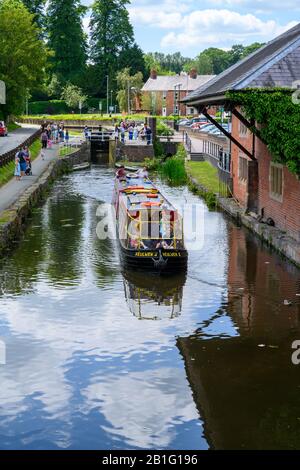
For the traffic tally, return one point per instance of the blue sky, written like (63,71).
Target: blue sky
(189,26)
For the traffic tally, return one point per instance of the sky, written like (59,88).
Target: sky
(189,26)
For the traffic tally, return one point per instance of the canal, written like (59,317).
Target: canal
(95,357)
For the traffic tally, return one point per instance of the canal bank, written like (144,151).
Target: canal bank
(272,236)
(17,202)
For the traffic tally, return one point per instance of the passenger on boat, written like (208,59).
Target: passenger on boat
(142,172)
(121,173)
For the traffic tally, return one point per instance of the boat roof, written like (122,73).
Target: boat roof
(136,199)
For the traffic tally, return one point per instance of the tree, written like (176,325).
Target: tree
(23,56)
(36,7)
(111,37)
(129,87)
(165,64)
(67,38)
(73,96)
(133,57)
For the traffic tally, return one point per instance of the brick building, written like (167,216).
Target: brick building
(259,184)
(162,94)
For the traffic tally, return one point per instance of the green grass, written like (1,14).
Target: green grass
(12,126)
(173,169)
(205,174)
(96,117)
(67,151)
(7,171)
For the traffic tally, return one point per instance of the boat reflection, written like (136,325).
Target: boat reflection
(151,297)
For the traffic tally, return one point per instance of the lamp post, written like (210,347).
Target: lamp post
(107,94)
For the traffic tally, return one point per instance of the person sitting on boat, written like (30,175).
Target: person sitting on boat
(142,172)
(121,173)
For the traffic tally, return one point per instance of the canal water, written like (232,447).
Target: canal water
(95,357)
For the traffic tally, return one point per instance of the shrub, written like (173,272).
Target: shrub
(173,168)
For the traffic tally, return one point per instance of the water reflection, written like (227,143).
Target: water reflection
(246,387)
(153,297)
(83,372)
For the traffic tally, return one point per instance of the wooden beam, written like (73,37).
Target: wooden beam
(227,134)
(250,125)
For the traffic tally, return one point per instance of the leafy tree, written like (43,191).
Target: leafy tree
(129,87)
(73,96)
(23,56)
(111,32)
(36,7)
(54,88)
(165,64)
(67,38)
(133,57)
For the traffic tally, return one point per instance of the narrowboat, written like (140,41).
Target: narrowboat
(149,228)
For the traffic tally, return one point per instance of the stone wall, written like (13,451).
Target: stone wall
(133,153)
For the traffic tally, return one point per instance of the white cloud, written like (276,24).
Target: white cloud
(189,28)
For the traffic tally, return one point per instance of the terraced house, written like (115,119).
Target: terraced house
(162,94)
(261,183)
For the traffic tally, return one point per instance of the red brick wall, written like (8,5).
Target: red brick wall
(286,214)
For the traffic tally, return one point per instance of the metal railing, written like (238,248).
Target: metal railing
(224,161)
(187,142)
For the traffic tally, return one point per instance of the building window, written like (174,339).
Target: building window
(276,181)
(243,168)
(243,130)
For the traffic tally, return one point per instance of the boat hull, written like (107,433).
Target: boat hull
(158,261)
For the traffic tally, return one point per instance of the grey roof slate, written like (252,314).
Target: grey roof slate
(168,82)
(275,64)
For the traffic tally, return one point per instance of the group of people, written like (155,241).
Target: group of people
(141,173)
(22,163)
(54,134)
(133,131)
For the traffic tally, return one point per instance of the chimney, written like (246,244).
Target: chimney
(193,73)
(153,74)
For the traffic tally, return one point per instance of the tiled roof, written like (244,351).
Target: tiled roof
(275,64)
(168,82)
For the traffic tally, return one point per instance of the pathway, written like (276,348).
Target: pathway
(17,137)
(10,192)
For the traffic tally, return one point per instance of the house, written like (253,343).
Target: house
(259,184)
(162,94)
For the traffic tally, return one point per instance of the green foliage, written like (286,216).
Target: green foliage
(173,169)
(12,126)
(165,64)
(152,164)
(66,38)
(111,37)
(214,60)
(48,107)
(279,118)
(7,171)
(129,88)
(205,174)
(163,129)
(23,56)
(73,96)
(36,7)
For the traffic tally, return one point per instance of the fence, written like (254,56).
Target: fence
(10,156)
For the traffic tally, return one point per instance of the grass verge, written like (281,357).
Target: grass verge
(12,126)
(67,151)
(7,171)
(206,176)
